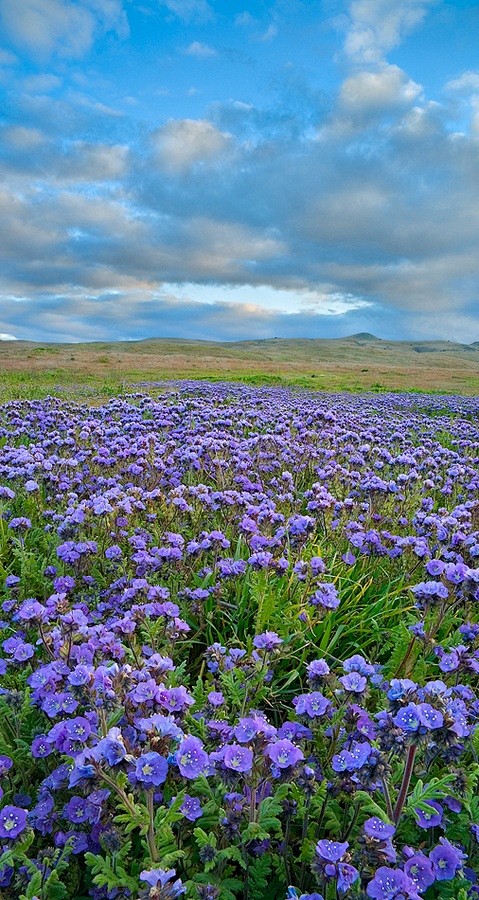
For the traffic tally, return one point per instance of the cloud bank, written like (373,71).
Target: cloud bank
(369,191)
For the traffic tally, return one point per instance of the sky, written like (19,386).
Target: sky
(235,170)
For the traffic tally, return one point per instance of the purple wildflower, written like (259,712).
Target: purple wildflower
(191,808)
(78,810)
(13,820)
(357,663)
(418,718)
(331,862)
(331,851)
(446,859)
(317,670)
(313,705)
(41,747)
(388,884)
(378,829)
(151,769)
(354,683)
(163,879)
(326,596)
(284,753)
(21,523)
(269,640)
(112,748)
(6,764)
(216,698)
(355,758)
(191,758)
(238,758)
(420,870)
(431,817)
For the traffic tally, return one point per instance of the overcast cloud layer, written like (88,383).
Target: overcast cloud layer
(193,169)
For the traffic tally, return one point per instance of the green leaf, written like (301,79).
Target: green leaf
(254,832)
(258,877)
(140,820)
(104,875)
(232,853)
(168,815)
(203,839)
(33,887)
(369,806)
(54,889)
(433,790)
(282,792)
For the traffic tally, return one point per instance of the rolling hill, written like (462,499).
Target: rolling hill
(356,362)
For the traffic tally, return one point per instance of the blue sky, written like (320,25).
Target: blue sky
(231,170)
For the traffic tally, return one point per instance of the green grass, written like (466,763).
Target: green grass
(70,386)
(61,383)
(100,370)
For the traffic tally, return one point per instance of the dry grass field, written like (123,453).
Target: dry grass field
(357,363)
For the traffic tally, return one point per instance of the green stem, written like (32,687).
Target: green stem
(47,648)
(304,829)
(120,793)
(151,827)
(246,875)
(304,832)
(321,814)
(387,796)
(252,805)
(302,877)
(287,868)
(352,823)
(103,723)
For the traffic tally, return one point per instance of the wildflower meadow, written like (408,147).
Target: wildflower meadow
(239,646)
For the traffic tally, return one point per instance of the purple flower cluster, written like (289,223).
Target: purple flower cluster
(197,684)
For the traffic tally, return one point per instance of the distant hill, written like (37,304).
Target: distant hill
(361,336)
(360,361)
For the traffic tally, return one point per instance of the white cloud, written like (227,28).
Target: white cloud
(45,27)
(244,19)
(4,336)
(202,51)
(377,26)
(84,161)
(267,298)
(189,10)
(467,82)
(95,105)
(218,246)
(465,92)
(41,83)
(7,58)
(135,314)
(421,123)
(379,91)
(475,117)
(19,137)
(382,208)
(268,35)
(260,33)
(183,142)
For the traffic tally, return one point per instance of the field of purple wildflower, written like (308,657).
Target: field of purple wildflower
(239,647)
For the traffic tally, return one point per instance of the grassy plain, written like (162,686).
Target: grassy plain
(357,363)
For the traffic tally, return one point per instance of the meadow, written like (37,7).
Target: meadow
(357,363)
(240,639)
